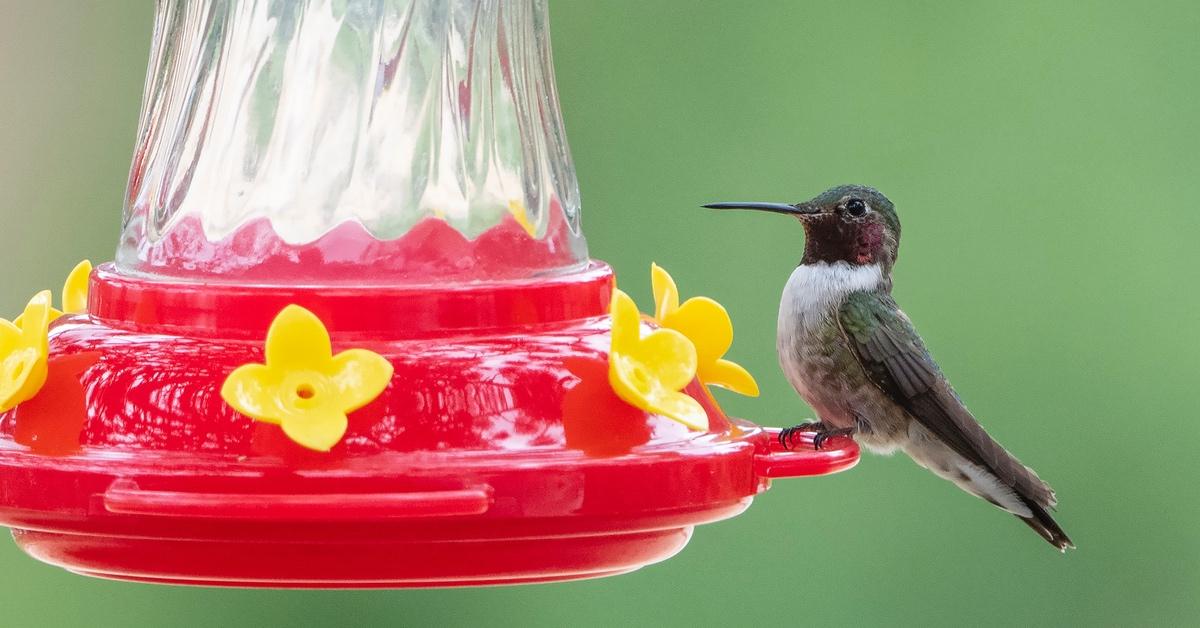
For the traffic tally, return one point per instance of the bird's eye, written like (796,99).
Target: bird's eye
(856,207)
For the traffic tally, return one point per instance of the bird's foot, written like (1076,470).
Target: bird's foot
(822,436)
(785,435)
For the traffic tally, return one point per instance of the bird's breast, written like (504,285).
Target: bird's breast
(814,292)
(808,338)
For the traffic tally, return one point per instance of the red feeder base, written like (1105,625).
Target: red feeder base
(498,455)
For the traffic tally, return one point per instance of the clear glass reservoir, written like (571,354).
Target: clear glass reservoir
(366,141)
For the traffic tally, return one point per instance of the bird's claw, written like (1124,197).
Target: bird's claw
(821,437)
(823,434)
(785,435)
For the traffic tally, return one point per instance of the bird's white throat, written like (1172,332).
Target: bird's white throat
(815,289)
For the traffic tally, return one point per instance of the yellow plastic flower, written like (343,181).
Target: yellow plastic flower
(24,350)
(302,386)
(650,372)
(74,293)
(706,323)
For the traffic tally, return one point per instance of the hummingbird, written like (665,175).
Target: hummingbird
(856,359)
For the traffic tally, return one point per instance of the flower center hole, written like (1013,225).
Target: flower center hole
(15,369)
(306,391)
(641,378)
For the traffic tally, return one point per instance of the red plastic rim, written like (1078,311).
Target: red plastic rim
(392,312)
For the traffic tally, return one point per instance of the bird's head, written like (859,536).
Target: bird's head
(855,224)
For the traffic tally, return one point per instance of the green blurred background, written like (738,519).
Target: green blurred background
(1045,160)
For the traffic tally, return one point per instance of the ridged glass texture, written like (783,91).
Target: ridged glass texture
(273,129)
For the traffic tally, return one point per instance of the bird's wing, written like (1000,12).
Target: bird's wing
(895,359)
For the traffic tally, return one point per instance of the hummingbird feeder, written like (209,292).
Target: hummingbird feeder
(352,336)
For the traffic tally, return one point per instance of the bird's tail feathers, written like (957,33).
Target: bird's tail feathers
(1027,498)
(1030,506)
(1047,527)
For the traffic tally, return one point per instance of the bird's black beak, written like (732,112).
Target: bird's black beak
(799,209)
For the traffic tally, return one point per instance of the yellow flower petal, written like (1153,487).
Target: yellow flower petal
(666,294)
(22,375)
(631,380)
(253,390)
(706,323)
(10,336)
(319,429)
(298,339)
(55,314)
(669,355)
(638,386)
(35,321)
(360,377)
(729,375)
(682,408)
(626,322)
(24,351)
(75,290)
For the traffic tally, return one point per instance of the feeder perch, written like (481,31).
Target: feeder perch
(396,176)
